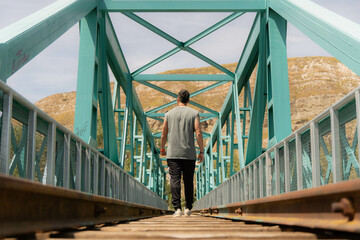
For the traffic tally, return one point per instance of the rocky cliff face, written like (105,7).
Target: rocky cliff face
(315,83)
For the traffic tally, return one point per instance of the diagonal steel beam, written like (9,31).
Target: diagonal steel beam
(156,61)
(175,96)
(122,74)
(209,61)
(191,95)
(245,67)
(336,34)
(181,45)
(23,40)
(213,28)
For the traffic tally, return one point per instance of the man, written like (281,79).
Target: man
(179,126)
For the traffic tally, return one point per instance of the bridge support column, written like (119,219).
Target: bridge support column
(85,124)
(93,87)
(273,82)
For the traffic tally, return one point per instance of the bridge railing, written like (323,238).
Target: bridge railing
(36,147)
(323,151)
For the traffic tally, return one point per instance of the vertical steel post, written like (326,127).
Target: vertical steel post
(128,111)
(105,103)
(261,177)
(268,175)
(254,146)
(357,104)
(277,171)
(31,145)
(315,153)
(279,116)
(85,123)
(87,170)
(299,161)
(6,132)
(238,125)
(96,175)
(51,148)
(66,161)
(335,145)
(287,166)
(78,165)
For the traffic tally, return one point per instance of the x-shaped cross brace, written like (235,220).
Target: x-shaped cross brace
(185,46)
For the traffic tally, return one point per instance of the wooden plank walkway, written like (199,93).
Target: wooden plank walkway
(193,227)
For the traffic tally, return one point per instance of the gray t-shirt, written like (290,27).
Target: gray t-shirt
(181,128)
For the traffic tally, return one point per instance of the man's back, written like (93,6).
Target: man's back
(181,127)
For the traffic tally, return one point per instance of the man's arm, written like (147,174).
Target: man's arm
(199,139)
(164,137)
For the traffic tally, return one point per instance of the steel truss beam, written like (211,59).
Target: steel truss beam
(175,95)
(121,72)
(152,173)
(336,34)
(182,6)
(182,77)
(23,40)
(180,45)
(272,81)
(243,71)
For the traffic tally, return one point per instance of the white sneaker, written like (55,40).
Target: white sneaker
(187,212)
(177,213)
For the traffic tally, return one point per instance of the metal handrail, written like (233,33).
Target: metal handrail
(263,176)
(95,173)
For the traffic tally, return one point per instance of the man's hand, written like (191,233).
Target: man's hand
(200,157)
(163,152)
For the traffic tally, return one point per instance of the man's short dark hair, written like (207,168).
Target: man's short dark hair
(184,96)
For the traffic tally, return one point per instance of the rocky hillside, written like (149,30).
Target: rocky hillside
(315,84)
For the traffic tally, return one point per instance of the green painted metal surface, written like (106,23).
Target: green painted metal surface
(182,6)
(127,136)
(182,77)
(85,124)
(336,34)
(23,40)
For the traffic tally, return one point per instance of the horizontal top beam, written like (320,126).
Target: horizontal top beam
(183,5)
(182,77)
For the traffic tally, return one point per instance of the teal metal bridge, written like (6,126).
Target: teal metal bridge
(129,168)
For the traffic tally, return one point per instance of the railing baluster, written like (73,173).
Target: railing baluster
(277,171)
(268,175)
(51,148)
(335,145)
(357,103)
(256,178)
(315,153)
(87,170)
(31,146)
(96,174)
(261,177)
(66,169)
(299,161)
(287,166)
(6,132)
(78,165)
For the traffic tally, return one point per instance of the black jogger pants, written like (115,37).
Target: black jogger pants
(186,167)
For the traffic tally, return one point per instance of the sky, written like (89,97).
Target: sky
(55,69)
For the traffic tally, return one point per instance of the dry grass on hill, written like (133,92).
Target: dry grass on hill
(315,83)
